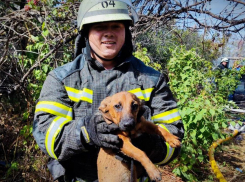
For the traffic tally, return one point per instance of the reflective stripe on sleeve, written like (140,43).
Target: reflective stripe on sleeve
(142,94)
(167,117)
(77,95)
(169,154)
(54,108)
(85,134)
(52,132)
(170,150)
(164,127)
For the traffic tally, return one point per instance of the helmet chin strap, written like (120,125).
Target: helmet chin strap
(104,59)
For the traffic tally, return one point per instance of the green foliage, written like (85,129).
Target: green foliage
(13,168)
(43,48)
(159,43)
(202,96)
(41,43)
(26,132)
(141,54)
(201,101)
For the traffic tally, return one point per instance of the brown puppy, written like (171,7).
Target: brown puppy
(122,109)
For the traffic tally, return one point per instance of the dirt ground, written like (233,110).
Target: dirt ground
(231,160)
(168,176)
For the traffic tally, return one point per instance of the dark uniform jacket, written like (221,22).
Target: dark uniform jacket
(221,66)
(72,93)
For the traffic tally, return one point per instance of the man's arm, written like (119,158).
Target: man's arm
(56,131)
(166,115)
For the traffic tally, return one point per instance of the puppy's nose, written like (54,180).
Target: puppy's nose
(127,124)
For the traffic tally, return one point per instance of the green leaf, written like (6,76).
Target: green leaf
(55,12)
(212,112)
(45,33)
(14,166)
(36,147)
(25,116)
(200,136)
(224,125)
(31,129)
(177,171)
(184,169)
(200,114)
(240,123)
(45,68)
(216,126)
(35,39)
(193,135)
(43,25)
(203,129)
(200,158)
(233,123)
(215,136)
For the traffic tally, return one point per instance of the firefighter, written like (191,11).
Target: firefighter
(67,125)
(223,64)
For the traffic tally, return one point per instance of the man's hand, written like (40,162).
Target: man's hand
(100,133)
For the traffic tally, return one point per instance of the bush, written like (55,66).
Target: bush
(202,96)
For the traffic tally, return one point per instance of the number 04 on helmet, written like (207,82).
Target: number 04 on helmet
(95,11)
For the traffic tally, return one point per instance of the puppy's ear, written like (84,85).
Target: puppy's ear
(141,111)
(104,110)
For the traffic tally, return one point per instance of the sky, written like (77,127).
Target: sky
(218,7)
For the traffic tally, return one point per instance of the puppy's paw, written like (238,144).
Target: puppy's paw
(173,141)
(155,175)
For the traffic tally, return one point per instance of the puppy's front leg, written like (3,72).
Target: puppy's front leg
(149,127)
(130,150)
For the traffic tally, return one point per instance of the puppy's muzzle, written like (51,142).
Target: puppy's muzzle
(127,124)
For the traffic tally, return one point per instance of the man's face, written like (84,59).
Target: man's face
(107,38)
(224,63)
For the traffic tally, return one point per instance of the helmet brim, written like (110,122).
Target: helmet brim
(107,18)
(90,12)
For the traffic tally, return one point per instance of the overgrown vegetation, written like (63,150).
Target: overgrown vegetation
(202,97)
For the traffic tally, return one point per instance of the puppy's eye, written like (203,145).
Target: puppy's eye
(134,106)
(118,106)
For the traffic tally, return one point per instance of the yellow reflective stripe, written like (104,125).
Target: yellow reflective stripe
(167,117)
(88,91)
(72,90)
(87,100)
(164,127)
(169,154)
(77,95)
(85,134)
(75,91)
(138,93)
(54,108)
(170,150)
(74,98)
(52,132)
(135,90)
(142,94)
(87,95)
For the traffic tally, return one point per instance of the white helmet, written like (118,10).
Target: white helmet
(225,60)
(94,11)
